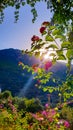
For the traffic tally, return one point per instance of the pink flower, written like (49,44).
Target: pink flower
(48,65)
(42,29)
(1,106)
(53,112)
(35,38)
(44,113)
(51,119)
(40,118)
(46,105)
(37,117)
(66,124)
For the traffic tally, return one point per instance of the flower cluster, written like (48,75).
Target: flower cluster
(63,122)
(44,26)
(47,65)
(42,29)
(35,67)
(35,38)
(51,116)
(12,107)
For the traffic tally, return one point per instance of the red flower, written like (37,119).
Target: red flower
(48,65)
(20,63)
(46,23)
(35,38)
(35,67)
(42,29)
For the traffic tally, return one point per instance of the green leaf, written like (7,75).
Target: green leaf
(61,57)
(38,46)
(44,89)
(54,80)
(52,27)
(50,90)
(23,3)
(59,53)
(44,33)
(69,54)
(52,46)
(55,32)
(49,38)
(59,36)
(71,37)
(65,44)
(52,54)
(58,1)
(24,67)
(18,6)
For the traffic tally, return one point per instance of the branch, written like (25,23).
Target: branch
(67,103)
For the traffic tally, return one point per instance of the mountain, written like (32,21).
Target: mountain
(12,77)
(19,81)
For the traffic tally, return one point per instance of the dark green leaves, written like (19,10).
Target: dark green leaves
(34,12)
(23,3)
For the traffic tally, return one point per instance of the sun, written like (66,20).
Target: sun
(47,56)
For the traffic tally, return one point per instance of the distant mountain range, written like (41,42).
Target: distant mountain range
(15,79)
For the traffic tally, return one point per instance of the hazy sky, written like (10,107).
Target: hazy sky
(19,35)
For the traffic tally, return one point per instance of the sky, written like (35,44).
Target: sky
(18,35)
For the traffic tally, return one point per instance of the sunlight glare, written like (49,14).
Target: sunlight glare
(47,56)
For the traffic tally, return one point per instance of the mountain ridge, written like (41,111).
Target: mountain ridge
(13,78)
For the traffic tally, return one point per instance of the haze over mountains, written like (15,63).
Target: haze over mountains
(14,78)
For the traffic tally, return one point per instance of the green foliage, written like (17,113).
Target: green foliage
(41,71)
(52,46)
(62,10)
(49,38)
(55,32)
(67,113)
(9,111)
(32,105)
(14,118)
(6,94)
(66,44)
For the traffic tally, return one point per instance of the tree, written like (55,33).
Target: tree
(49,52)
(63,10)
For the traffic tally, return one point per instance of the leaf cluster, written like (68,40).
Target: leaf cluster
(62,10)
